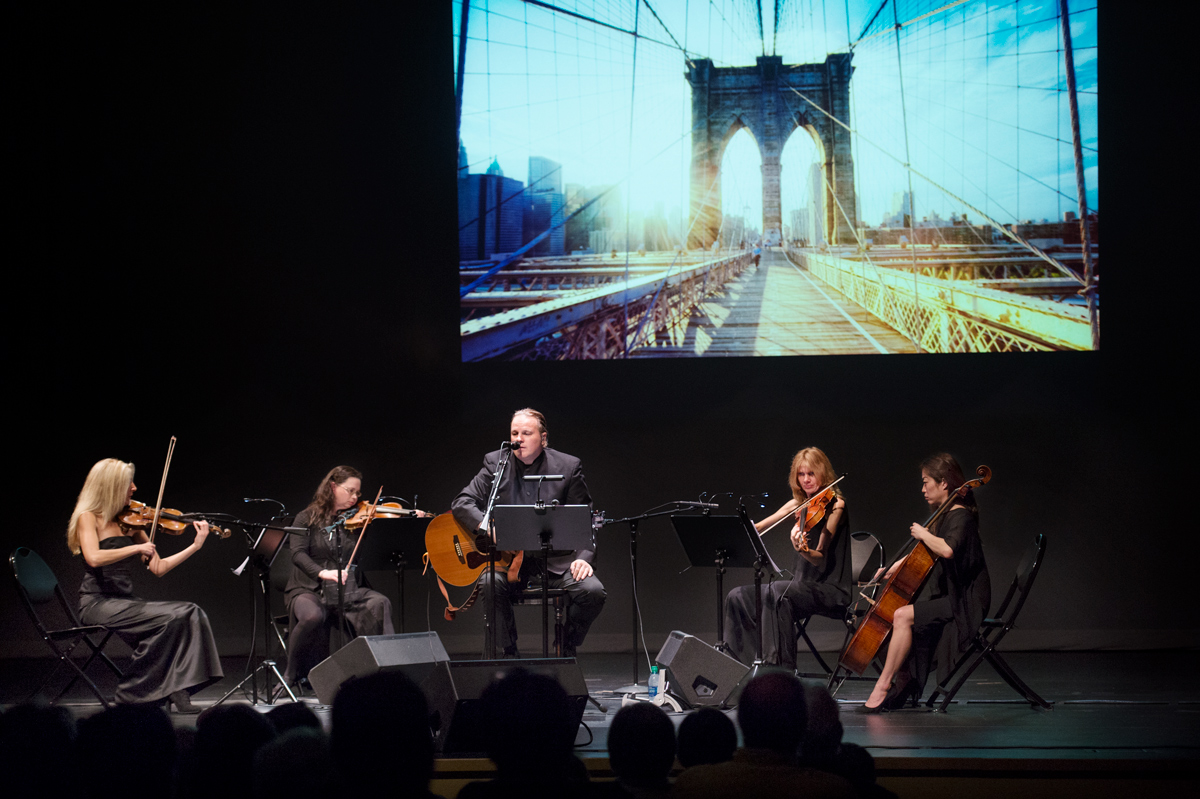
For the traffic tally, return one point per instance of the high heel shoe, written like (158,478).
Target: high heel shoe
(182,701)
(882,707)
(903,689)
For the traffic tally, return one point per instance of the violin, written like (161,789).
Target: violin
(812,510)
(383,510)
(811,515)
(138,516)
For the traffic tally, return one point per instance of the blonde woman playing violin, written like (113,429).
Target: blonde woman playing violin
(174,654)
(821,574)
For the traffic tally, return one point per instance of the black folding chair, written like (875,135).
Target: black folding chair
(38,587)
(992,632)
(866,557)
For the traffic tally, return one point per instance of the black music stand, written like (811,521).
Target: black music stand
(262,555)
(534,527)
(762,562)
(720,540)
(394,544)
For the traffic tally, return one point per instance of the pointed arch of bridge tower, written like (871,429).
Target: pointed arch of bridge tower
(812,179)
(771,100)
(736,126)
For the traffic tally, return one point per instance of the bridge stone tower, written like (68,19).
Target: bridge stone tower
(760,99)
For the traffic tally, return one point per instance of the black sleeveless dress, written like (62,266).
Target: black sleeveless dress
(172,642)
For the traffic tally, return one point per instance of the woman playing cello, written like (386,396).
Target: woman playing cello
(956,596)
(821,581)
(174,652)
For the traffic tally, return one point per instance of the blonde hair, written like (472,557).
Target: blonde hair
(104,494)
(816,460)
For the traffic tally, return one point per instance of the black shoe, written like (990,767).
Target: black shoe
(182,701)
(880,708)
(511,653)
(903,689)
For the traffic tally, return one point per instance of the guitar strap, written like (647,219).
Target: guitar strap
(513,574)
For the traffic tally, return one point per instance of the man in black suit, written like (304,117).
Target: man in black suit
(566,569)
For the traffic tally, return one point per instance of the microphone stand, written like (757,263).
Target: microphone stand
(633,522)
(489,635)
(335,533)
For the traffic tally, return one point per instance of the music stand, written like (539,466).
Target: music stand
(762,561)
(262,554)
(394,544)
(715,539)
(534,527)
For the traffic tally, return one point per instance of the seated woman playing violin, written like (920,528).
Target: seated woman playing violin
(311,590)
(954,601)
(174,654)
(821,575)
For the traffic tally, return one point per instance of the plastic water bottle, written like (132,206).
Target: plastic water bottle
(653,683)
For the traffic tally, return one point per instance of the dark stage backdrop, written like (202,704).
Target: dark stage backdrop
(237,227)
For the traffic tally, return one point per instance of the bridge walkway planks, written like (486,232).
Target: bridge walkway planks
(777,309)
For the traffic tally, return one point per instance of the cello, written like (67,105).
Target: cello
(901,589)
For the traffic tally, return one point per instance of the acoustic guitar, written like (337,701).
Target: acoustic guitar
(457,554)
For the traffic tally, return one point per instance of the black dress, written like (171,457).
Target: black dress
(172,642)
(368,612)
(956,599)
(822,590)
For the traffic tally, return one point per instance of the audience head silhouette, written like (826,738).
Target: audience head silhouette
(530,724)
(706,736)
(144,729)
(227,738)
(824,732)
(772,713)
(381,733)
(641,745)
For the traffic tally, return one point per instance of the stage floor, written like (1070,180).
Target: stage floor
(1127,715)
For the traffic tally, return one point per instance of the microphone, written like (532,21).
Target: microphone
(532,477)
(689,503)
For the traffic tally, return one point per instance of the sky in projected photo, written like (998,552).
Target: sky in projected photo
(987,116)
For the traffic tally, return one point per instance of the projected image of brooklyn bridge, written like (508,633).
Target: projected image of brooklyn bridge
(736,178)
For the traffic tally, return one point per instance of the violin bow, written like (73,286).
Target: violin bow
(162,486)
(366,523)
(803,505)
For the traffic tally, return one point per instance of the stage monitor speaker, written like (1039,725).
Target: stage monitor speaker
(699,674)
(454,689)
(415,654)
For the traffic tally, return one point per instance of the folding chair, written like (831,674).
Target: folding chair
(992,631)
(866,557)
(38,586)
